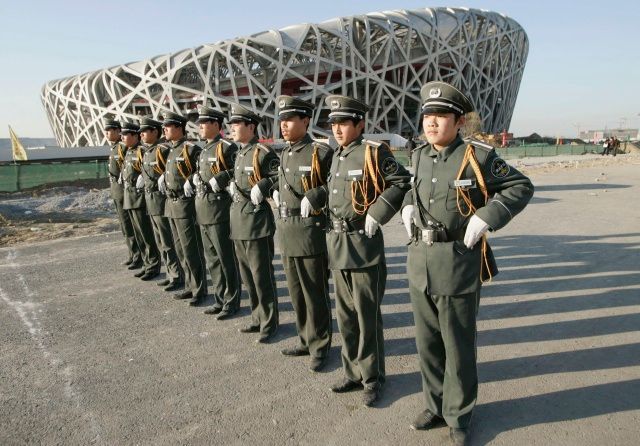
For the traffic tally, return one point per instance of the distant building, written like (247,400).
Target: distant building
(621,134)
(382,58)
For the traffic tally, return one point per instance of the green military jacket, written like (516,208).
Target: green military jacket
(116,162)
(249,222)
(451,268)
(181,166)
(213,207)
(133,197)
(302,236)
(353,249)
(153,165)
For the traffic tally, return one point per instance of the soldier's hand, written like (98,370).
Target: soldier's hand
(196,179)
(370,226)
(408,212)
(305,207)
(475,229)
(214,185)
(140,182)
(231,188)
(120,178)
(162,187)
(256,195)
(188,189)
(276,198)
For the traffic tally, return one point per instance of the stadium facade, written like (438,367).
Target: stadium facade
(382,58)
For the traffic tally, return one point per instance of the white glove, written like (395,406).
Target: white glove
(162,187)
(370,226)
(196,179)
(188,189)
(276,198)
(231,188)
(476,229)
(305,207)
(120,178)
(408,212)
(256,195)
(214,185)
(140,182)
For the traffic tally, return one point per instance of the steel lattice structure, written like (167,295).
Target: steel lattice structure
(382,58)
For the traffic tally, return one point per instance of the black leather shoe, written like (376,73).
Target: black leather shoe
(225,314)
(183,295)
(426,420)
(127,262)
(249,329)
(267,338)
(164,282)
(133,266)
(298,350)
(174,285)
(195,301)
(140,273)
(213,310)
(317,364)
(150,275)
(371,396)
(346,385)
(459,436)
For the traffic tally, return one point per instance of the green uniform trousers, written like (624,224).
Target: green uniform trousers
(446,343)
(359,293)
(127,230)
(308,283)
(222,264)
(144,237)
(186,236)
(164,241)
(255,260)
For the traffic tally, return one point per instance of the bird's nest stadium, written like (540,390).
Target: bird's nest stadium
(382,58)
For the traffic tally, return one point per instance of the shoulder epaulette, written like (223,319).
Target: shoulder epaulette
(479,144)
(372,143)
(226,141)
(420,147)
(321,144)
(264,147)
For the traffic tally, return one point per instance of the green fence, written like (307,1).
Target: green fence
(546,150)
(15,177)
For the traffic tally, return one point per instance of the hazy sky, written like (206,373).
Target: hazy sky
(582,70)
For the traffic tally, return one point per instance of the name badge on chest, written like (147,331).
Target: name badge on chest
(466,184)
(248,168)
(304,168)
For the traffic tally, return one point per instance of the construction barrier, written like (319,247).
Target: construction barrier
(25,175)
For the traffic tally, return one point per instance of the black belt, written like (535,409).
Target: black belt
(285,212)
(433,235)
(342,225)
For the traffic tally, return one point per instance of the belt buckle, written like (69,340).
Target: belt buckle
(339,225)
(428,236)
(283,210)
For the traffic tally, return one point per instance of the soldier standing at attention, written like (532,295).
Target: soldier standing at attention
(366,188)
(214,173)
(304,167)
(461,189)
(153,165)
(134,202)
(116,162)
(252,223)
(176,182)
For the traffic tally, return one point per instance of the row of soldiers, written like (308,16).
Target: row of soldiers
(203,206)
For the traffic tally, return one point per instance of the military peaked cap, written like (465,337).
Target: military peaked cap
(210,114)
(344,107)
(130,127)
(440,97)
(148,123)
(240,113)
(289,106)
(112,124)
(171,118)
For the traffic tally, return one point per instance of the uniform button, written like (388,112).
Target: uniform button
(241,155)
(429,223)
(342,158)
(431,200)
(237,167)
(335,191)
(290,153)
(434,180)
(287,187)
(435,161)
(286,170)
(335,209)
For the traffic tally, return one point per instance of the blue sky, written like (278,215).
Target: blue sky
(582,70)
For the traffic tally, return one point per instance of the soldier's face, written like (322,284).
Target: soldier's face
(172,132)
(129,139)
(294,128)
(345,132)
(242,131)
(112,135)
(149,136)
(441,129)
(209,129)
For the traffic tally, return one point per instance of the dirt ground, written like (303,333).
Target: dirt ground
(91,355)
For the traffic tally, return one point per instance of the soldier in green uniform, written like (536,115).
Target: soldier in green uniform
(304,167)
(365,189)
(116,162)
(252,222)
(134,202)
(460,190)
(214,173)
(177,183)
(153,165)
